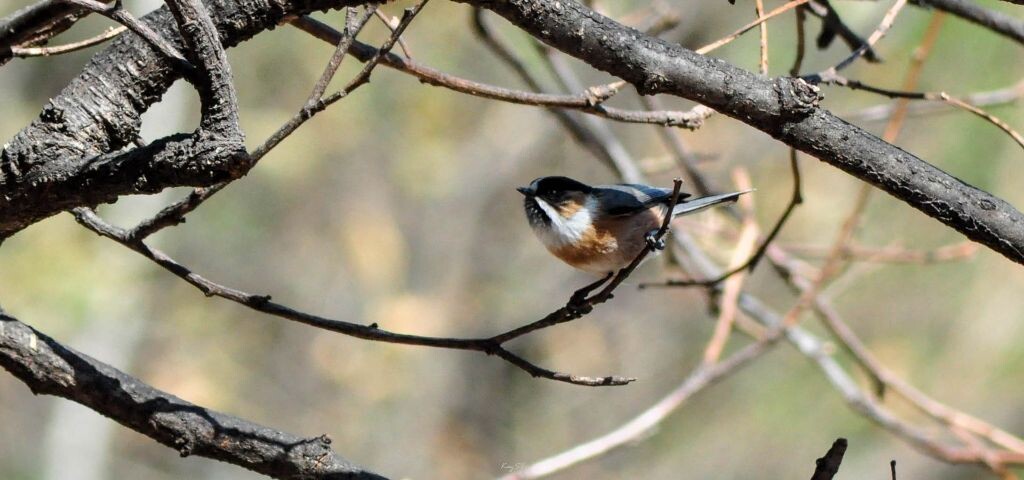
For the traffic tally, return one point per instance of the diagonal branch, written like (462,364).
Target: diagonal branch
(72,154)
(999,22)
(35,24)
(263,303)
(38,182)
(49,368)
(118,14)
(785,108)
(23,52)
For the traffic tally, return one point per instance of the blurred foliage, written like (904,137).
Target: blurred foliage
(397,206)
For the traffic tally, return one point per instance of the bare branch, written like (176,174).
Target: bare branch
(795,199)
(49,368)
(832,25)
(760,20)
(728,304)
(893,254)
(118,14)
(827,466)
(1001,23)
(883,28)
(353,25)
(996,97)
(785,108)
(24,52)
(263,303)
(763,64)
(589,101)
(35,24)
(392,23)
(641,425)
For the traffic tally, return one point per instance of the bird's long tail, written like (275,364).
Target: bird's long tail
(701,203)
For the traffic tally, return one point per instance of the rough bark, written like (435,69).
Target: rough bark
(784,108)
(63,159)
(71,155)
(49,368)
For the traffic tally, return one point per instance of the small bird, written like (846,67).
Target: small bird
(601,229)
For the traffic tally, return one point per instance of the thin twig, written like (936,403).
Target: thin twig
(880,31)
(641,425)
(759,11)
(832,25)
(264,304)
(1016,136)
(728,304)
(884,378)
(118,14)
(590,100)
(801,43)
(795,199)
(834,261)
(948,253)
(905,96)
(24,52)
(363,76)
(1001,96)
(685,159)
(734,35)
(392,23)
(353,25)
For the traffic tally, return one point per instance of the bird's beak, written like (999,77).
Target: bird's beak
(525,191)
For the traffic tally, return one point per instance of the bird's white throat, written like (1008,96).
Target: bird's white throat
(561,230)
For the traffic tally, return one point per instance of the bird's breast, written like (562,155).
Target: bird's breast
(593,251)
(611,242)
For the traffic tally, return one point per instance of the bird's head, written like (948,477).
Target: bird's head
(553,198)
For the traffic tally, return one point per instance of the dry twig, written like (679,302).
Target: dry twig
(25,52)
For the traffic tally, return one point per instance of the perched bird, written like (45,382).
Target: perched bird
(601,229)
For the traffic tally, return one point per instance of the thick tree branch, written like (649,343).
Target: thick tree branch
(49,368)
(35,24)
(784,108)
(23,52)
(578,306)
(999,22)
(71,155)
(84,123)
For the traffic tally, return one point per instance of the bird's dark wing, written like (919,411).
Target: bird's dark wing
(629,198)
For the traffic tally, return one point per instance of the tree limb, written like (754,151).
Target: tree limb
(1001,23)
(49,368)
(84,123)
(71,155)
(785,108)
(35,24)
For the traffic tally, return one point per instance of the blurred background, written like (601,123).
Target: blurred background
(397,206)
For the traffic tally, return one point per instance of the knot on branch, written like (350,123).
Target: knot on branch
(797,98)
(653,83)
(599,94)
(184,445)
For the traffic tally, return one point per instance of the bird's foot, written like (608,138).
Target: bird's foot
(653,241)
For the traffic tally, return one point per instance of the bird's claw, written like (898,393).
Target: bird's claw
(653,241)
(578,307)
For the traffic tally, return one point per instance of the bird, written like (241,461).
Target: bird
(601,229)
